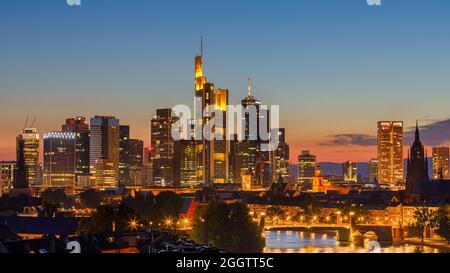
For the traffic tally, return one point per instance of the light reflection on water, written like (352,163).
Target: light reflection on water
(324,242)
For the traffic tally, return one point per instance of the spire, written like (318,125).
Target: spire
(417,131)
(249,86)
(201,46)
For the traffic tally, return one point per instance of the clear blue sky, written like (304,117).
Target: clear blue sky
(334,66)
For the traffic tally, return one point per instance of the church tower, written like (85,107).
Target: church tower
(417,178)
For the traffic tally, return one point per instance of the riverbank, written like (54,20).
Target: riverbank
(441,245)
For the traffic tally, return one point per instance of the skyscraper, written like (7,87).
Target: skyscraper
(441,163)
(214,165)
(124,155)
(20,173)
(257,162)
(390,152)
(350,172)
(80,127)
(281,156)
(29,141)
(136,161)
(163,144)
(373,171)
(104,151)
(306,168)
(59,159)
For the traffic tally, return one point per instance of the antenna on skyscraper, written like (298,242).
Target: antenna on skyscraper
(26,122)
(249,86)
(32,124)
(201,46)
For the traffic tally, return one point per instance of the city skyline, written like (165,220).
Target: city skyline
(138,73)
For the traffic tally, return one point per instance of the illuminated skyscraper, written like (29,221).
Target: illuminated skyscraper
(306,168)
(257,162)
(80,127)
(281,156)
(441,163)
(104,151)
(59,159)
(390,152)
(373,171)
(163,147)
(214,165)
(350,172)
(30,141)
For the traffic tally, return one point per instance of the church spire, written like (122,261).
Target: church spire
(417,131)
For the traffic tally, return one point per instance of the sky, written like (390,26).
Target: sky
(335,67)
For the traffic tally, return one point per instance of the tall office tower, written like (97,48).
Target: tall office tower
(6,176)
(373,171)
(163,144)
(281,157)
(59,159)
(124,155)
(350,172)
(390,152)
(104,151)
(29,140)
(441,163)
(136,161)
(80,127)
(213,167)
(306,168)
(257,163)
(220,146)
(21,171)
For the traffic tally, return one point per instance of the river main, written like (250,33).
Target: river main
(326,242)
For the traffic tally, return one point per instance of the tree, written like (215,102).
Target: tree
(142,203)
(423,220)
(310,208)
(227,226)
(54,196)
(91,198)
(167,205)
(49,210)
(442,220)
(276,213)
(109,218)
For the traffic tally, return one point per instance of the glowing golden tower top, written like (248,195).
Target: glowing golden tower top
(200,79)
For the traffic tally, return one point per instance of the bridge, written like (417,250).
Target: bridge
(344,233)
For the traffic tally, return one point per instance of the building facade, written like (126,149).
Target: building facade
(6,176)
(350,172)
(163,146)
(104,147)
(29,141)
(373,171)
(80,127)
(441,163)
(390,152)
(306,167)
(59,160)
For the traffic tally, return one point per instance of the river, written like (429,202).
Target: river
(314,242)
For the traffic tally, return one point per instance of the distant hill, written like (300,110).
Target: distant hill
(332,168)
